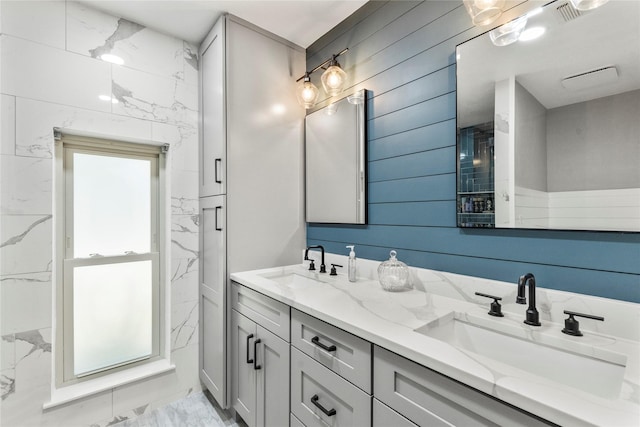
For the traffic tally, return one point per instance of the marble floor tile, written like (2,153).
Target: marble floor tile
(195,410)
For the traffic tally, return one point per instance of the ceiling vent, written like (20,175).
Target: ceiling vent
(568,12)
(591,78)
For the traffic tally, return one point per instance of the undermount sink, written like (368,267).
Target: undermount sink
(290,278)
(598,376)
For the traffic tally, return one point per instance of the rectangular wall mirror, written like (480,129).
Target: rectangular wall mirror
(336,182)
(548,127)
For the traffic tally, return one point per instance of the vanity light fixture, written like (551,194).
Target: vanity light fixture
(307,92)
(587,4)
(333,80)
(484,12)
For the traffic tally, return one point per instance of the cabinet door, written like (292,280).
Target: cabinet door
(273,380)
(212,111)
(244,342)
(212,297)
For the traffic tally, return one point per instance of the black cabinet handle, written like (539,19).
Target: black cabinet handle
(255,354)
(328,413)
(249,360)
(218,208)
(317,342)
(217,161)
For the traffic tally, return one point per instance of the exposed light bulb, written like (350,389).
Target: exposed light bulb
(307,93)
(333,79)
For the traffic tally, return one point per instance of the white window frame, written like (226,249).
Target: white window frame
(66,146)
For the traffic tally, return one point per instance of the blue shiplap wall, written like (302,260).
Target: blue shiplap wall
(404,53)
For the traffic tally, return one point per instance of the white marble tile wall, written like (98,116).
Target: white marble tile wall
(51,76)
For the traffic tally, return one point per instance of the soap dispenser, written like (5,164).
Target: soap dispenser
(352,264)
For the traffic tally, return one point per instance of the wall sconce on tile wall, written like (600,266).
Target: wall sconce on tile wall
(333,80)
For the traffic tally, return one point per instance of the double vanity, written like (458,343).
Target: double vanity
(312,349)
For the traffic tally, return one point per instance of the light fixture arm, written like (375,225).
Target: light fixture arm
(330,61)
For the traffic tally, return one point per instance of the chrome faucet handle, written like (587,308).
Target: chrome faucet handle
(496,308)
(572,326)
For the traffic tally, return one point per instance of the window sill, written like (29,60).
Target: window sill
(64,395)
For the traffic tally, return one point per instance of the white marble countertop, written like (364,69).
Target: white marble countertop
(389,320)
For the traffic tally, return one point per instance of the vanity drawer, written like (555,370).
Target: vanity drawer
(337,401)
(351,358)
(267,312)
(428,398)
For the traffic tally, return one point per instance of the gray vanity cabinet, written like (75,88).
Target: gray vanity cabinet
(260,374)
(251,157)
(212,295)
(213,158)
(259,358)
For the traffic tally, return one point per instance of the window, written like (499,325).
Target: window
(109,257)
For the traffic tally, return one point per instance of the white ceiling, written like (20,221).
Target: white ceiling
(607,36)
(299,21)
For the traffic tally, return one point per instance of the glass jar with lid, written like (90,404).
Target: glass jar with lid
(394,274)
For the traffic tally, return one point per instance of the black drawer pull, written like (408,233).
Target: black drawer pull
(329,413)
(249,360)
(218,208)
(255,354)
(215,170)
(317,342)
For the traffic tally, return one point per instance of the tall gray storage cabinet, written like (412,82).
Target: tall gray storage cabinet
(251,174)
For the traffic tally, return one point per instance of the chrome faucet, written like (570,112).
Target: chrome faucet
(532,315)
(323,269)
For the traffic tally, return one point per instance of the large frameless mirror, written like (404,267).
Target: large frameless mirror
(548,126)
